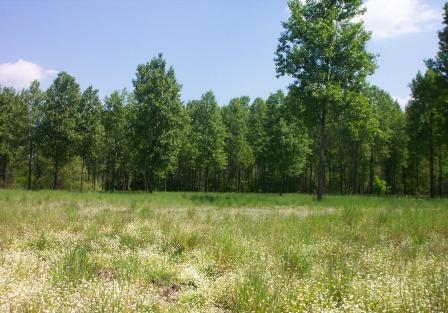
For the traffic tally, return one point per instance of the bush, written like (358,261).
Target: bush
(379,186)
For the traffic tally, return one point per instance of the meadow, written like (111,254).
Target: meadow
(205,252)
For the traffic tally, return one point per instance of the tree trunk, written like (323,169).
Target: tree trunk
(431,162)
(330,176)
(206,179)
(440,187)
(403,169)
(4,172)
(55,177)
(363,174)
(112,183)
(238,183)
(321,166)
(178,184)
(82,173)
(371,171)
(94,176)
(30,158)
(341,174)
(310,185)
(305,179)
(215,186)
(102,179)
(149,177)
(417,176)
(355,168)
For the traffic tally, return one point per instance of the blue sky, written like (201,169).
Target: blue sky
(224,46)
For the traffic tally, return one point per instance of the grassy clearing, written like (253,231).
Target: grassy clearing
(189,252)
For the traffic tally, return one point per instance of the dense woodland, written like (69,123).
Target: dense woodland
(331,132)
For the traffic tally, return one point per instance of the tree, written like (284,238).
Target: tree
(287,144)
(88,126)
(360,126)
(258,139)
(186,160)
(323,48)
(207,134)
(116,136)
(58,129)
(13,128)
(239,153)
(424,118)
(440,63)
(440,66)
(34,100)
(389,142)
(158,119)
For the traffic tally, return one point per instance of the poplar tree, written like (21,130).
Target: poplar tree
(239,152)
(258,139)
(439,64)
(287,144)
(115,121)
(13,129)
(34,100)
(58,129)
(158,119)
(425,118)
(207,134)
(88,127)
(323,48)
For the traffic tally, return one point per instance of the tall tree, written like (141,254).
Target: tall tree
(207,134)
(323,48)
(258,139)
(424,118)
(158,118)
(239,152)
(116,137)
(34,100)
(288,144)
(88,126)
(439,64)
(13,129)
(388,146)
(58,128)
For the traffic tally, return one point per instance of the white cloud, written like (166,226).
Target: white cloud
(21,73)
(392,18)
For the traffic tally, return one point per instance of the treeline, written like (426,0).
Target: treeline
(332,131)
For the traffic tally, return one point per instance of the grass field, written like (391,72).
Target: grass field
(192,252)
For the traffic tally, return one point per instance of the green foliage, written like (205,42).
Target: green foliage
(117,131)
(207,134)
(239,152)
(379,186)
(158,118)
(58,129)
(34,99)
(331,130)
(323,48)
(288,145)
(425,119)
(13,129)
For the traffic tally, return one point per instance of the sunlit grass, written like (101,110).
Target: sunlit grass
(193,252)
